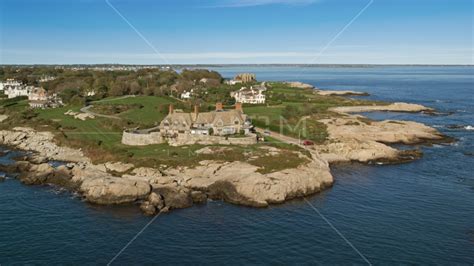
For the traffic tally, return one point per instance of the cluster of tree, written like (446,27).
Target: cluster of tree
(28,75)
(74,85)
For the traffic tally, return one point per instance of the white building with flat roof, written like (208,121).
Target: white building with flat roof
(17,91)
(9,83)
(249,95)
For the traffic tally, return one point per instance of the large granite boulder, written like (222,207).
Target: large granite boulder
(148,208)
(36,174)
(118,167)
(156,200)
(114,190)
(175,197)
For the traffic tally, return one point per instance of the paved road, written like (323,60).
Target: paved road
(281,137)
(114,99)
(86,110)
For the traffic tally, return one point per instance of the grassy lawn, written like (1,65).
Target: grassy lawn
(100,138)
(295,112)
(153,109)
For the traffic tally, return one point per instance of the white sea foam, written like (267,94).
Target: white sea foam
(469,128)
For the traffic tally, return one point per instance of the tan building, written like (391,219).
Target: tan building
(245,77)
(40,98)
(219,122)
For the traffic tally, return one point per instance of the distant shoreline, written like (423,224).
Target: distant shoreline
(241,65)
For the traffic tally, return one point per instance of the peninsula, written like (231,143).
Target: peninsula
(166,140)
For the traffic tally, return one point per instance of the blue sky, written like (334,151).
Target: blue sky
(236,31)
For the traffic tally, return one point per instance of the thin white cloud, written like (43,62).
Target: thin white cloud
(251,3)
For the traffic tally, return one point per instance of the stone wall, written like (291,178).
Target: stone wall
(184,139)
(142,139)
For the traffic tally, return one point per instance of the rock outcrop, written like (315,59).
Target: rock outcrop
(79,115)
(118,167)
(41,142)
(356,138)
(341,93)
(299,85)
(160,190)
(246,186)
(114,190)
(394,107)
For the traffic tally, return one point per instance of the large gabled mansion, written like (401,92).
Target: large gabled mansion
(219,122)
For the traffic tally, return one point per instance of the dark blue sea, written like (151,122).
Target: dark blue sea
(416,213)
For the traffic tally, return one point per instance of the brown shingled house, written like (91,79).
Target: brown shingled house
(219,122)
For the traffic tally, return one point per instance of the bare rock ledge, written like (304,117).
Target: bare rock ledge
(118,183)
(356,138)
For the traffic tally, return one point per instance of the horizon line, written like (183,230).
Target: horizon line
(231,64)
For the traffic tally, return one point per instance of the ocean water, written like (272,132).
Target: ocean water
(416,213)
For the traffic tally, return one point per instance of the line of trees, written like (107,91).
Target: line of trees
(75,85)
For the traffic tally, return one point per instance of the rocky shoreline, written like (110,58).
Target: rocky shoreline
(159,190)
(341,93)
(351,138)
(354,138)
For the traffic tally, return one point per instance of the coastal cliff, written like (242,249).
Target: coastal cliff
(117,183)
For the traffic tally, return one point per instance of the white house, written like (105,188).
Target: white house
(233,82)
(250,95)
(90,92)
(187,94)
(46,78)
(9,83)
(17,91)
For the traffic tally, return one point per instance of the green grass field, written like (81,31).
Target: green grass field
(151,112)
(100,138)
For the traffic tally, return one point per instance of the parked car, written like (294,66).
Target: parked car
(308,143)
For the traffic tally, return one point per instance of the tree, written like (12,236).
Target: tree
(67,95)
(135,88)
(118,89)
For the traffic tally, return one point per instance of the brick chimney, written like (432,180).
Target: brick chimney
(171,109)
(219,107)
(238,107)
